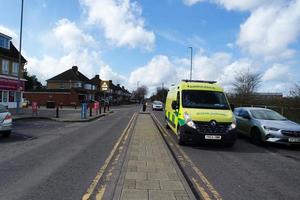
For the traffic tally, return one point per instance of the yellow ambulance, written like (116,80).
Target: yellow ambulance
(198,111)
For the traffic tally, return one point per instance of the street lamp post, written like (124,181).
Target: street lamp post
(18,96)
(191,70)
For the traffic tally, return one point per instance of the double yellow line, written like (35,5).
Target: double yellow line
(101,171)
(204,193)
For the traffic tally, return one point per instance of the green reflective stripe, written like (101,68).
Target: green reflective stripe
(181,122)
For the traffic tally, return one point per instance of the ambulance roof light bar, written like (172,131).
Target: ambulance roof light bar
(199,81)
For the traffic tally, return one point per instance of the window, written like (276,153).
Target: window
(4,42)
(0,96)
(11,96)
(5,64)
(4,96)
(15,69)
(62,86)
(204,99)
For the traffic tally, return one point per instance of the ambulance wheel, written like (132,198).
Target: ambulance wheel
(180,138)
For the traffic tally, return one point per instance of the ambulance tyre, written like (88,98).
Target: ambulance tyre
(180,138)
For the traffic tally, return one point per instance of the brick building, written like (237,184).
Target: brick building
(70,87)
(10,87)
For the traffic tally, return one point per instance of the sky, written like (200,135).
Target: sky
(147,42)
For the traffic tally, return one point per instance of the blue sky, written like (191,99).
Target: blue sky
(146,41)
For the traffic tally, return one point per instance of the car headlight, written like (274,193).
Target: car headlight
(267,128)
(189,121)
(232,125)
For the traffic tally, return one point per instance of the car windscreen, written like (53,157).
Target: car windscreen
(2,109)
(157,102)
(204,99)
(266,115)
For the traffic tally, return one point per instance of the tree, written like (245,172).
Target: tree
(247,83)
(32,81)
(161,94)
(295,91)
(141,92)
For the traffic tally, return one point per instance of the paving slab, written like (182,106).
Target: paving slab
(149,170)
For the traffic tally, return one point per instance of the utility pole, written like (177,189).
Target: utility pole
(162,85)
(191,70)
(18,96)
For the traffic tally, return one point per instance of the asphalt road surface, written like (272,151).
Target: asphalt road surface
(53,160)
(246,171)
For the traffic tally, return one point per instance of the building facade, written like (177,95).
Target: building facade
(11,87)
(68,88)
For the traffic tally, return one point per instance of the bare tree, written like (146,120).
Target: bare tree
(246,83)
(160,94)
(295,91)
(141,92)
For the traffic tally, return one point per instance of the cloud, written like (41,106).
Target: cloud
(269,31)
(278,72)
(9,32)
(155,72)
(70,36)
(106,73)
(191,2)
(121,21)
(273,25)
(79,49)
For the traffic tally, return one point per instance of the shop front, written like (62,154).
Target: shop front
(11,90)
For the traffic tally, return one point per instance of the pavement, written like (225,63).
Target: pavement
(150,171)
(66,114)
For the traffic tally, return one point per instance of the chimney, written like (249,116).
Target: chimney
(75,68)
(118,85)
(123,87)
(110,82)
(97,77)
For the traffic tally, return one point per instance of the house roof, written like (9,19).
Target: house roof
(96,80)
(72,74)
(12,52)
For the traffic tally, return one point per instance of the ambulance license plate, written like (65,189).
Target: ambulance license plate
(213,137)
(294,140)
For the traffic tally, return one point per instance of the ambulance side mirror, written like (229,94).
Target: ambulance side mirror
(174,105)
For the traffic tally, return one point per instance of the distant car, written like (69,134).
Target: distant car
(5,121)
(157,105)
(265,125)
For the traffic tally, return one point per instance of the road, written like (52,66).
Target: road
(246,171)
(54,160)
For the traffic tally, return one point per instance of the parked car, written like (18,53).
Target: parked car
(265,125)
(157,105)
(5,121)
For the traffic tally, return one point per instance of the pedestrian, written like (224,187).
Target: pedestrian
(144,107)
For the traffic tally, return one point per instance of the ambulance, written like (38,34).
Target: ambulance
(198,111)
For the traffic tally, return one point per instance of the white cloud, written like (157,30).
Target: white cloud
(106,73)
(191,2)
(78,49)
(70,36)
(273,25)
(242,4)
(270,30)
(277,72)
(11,33)
(121,21)
(158,70)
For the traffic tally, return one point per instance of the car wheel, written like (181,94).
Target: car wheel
(230,144)
(6,134)
(180,138)
(256,137)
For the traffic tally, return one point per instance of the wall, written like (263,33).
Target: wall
(64,98)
